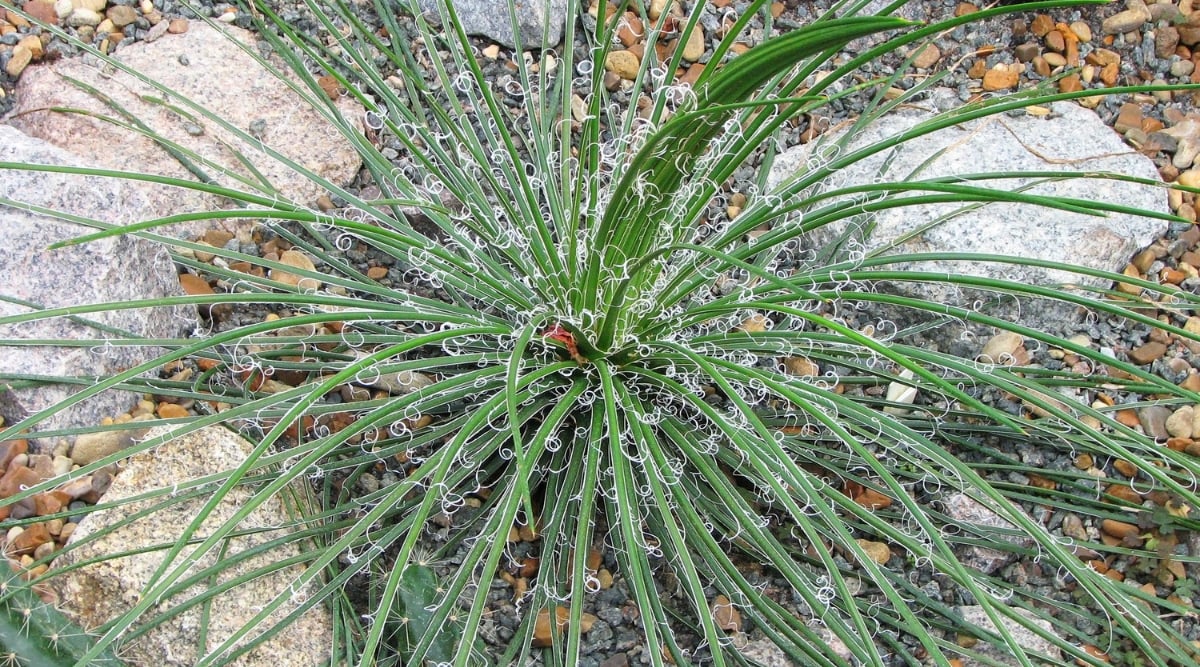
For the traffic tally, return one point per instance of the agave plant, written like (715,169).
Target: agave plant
(579,352)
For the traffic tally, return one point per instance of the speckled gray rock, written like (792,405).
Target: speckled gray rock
(98,592)
(980,522)
(976,617)
(113,270)
(764,652)
(205,66)
(491,19)
(1072,139)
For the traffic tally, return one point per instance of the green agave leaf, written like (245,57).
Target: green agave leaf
(636,214)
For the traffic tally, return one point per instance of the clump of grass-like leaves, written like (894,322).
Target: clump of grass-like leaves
(582,351)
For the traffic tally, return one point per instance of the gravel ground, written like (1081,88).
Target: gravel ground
(986,57)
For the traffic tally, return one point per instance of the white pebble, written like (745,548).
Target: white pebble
(62,465)
(82,17)
(1179,424)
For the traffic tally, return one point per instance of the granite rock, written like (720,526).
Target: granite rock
(205,66)
(979,521)
(98,592)
(114,270)
(1071,139)
(491,19)
(976,617)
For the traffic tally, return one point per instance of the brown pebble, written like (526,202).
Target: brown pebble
(177,26)
(1166,40)
(1055,41)
(1026,52)
(624,64)
(1109,73)
(542,634)
(1128,118)
(529,566)
(878,552)
(194,285)
(725,615)
(692,74)
(1082,31)
(1118,529)
(16,479)
(1191,382)
(927,56)
(78,487)
(1042,482)
(1127,417)
(1125,468)
(31,538)
(42,10)
(44,550)
(801,366)
(18,61)
(217,238)
(10,449)
(527,533)
(1070,84)
(1103,57)
(1188,35)
(630,29)
(1147,353)
(1042,24)
(51,502)
(1054,60)
(1000,77)
(331,87)
(171,411)
(377,272)
(1126,21)
(299,260)
(1172,276)
(964,8)
(1143,260)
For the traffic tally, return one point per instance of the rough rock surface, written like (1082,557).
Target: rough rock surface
(1071,139)
(112,270)
(204,66)
(976,617)
(491,19)
(979,521)
(98,592)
